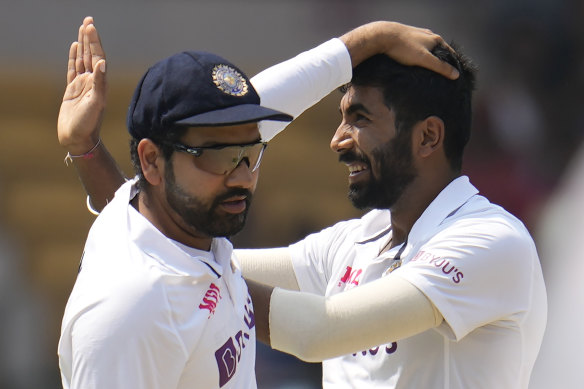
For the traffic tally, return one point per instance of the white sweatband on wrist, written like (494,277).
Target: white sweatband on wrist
(314,328)
(271,267)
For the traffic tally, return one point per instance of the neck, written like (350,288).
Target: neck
(413,202)
(168,222)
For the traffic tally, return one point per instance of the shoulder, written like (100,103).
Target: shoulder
(370,224)
(482,218)
(480,229)
(126,300)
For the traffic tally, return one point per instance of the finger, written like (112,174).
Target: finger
(444,68)
(87,21)
(71,69)
(79,68)
(95,47)
(86,51)
(99,78)
(441,42)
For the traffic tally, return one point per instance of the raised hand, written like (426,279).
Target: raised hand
(405,44)
(85,96)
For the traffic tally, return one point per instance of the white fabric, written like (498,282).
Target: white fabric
(475,262)
(314,327)
(148,312)
(297,84)
(133,319)
(272,267)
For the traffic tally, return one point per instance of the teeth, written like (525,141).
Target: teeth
(356,168)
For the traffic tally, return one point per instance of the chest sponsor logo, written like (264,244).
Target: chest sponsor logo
(456,274)
(211,299)
(229,354)
(351,277)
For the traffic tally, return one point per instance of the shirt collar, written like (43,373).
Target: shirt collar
(165,250)
(377,222)
(448,201)
(374,224)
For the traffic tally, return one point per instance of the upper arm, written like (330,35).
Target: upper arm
(271,267)
(123,342)
(475,277)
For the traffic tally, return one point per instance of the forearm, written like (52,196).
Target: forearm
(271,267)
(100,176)
(295,85)
(260,297)
(363,42)
(315,328)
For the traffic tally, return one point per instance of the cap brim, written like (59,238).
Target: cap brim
(237,114)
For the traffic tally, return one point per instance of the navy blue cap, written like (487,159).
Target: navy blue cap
(194,89)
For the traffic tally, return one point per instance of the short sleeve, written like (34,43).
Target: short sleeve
(316,257)
(475,273)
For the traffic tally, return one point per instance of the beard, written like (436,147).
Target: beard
(203,217)
(394,161)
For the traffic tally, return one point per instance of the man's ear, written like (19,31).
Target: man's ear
(151,161)
(430,136)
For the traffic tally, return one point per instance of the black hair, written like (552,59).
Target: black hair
(164,142)
(415,93)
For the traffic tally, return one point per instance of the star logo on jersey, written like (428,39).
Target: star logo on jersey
(211,299)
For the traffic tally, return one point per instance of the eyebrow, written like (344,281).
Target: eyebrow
(356,107)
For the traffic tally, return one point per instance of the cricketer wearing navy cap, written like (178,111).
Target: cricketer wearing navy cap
(203,106)
(157,274)
(185,89)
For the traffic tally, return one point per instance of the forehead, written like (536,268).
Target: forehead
(368,97)
(203,136)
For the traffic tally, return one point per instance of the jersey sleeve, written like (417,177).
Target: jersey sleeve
(314,257)
(295,85)
(478,276)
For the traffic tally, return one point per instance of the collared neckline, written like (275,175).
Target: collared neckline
(446,204)
(154,243)
(377,222)
(374,224)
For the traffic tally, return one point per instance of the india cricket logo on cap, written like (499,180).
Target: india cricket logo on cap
(229,80)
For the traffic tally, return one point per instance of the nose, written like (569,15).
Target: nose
(342,139)
(242,176)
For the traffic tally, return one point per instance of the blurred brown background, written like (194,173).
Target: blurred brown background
(528,126)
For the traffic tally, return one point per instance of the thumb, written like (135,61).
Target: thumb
(99,77)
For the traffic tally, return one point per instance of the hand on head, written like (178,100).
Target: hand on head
(405,44)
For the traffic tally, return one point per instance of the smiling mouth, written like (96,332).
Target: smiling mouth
(356,168)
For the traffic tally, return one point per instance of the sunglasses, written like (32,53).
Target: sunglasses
(223,159)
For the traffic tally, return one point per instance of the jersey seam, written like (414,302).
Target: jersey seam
(173,324)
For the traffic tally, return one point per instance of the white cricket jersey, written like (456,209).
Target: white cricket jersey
(148,312)
(474,261)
